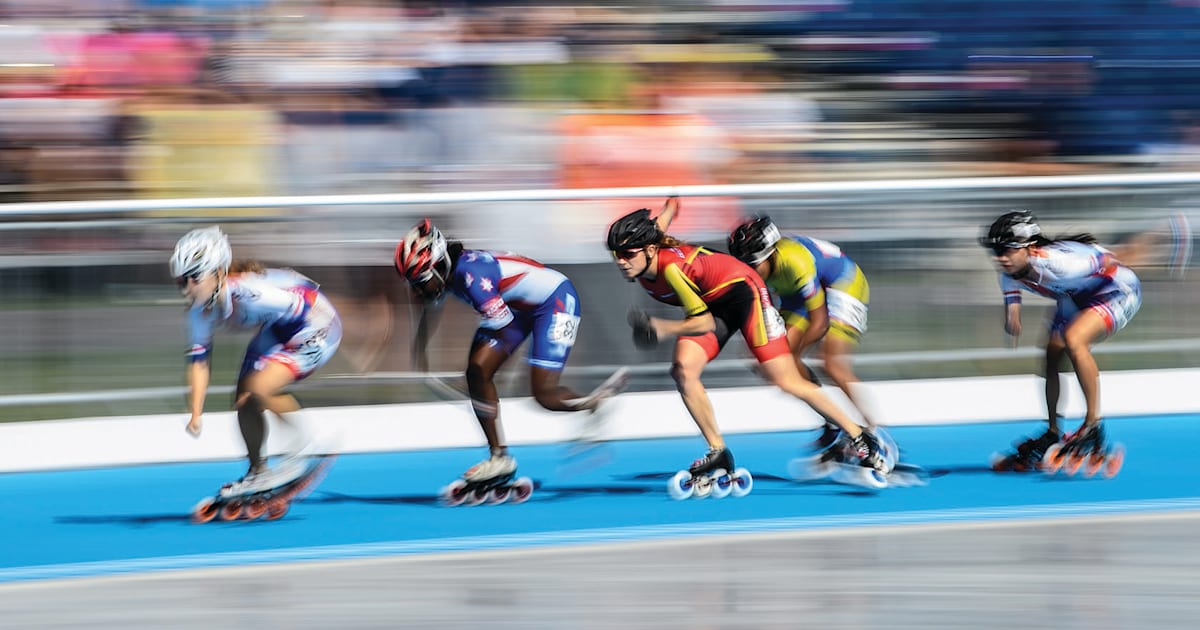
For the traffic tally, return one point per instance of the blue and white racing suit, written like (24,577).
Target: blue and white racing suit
(298,326)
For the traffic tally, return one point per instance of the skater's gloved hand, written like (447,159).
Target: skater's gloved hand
(645,336)
(194,425)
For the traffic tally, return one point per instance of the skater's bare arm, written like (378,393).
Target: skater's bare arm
(669,211)
(1012,322)
(431,316)
(197,377)
(695,325)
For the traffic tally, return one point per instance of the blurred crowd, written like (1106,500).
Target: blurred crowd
(175,98)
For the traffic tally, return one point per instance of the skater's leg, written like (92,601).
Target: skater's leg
(549,393)
(1055,349)
(254,430)
(484,361)
(686,368)
(266,386)
(1087,328)
(796,326)
(782,372)
(836,350)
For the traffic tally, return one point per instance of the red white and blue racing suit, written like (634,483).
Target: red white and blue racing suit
(519,298)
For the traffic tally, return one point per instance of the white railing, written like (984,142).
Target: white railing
(1134,180)
(48,212)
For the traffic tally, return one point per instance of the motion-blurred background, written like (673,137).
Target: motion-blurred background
(150,99)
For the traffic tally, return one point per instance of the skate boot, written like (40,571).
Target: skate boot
(1086,449)
(829,435)
(713,474)
(490,481)
(859,461)
(869,453)
(1028,455)
(825,454)
(255,476)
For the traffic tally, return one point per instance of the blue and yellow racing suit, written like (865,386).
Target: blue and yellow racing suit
(808,273)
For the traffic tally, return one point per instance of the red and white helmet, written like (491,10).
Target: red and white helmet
(422,255)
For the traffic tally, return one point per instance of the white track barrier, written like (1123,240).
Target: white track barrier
(98,442)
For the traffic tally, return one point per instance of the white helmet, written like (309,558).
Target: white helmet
(200,251)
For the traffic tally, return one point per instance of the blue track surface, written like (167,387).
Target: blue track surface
(96,522)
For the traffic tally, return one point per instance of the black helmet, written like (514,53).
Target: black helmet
(753,241)
(633,230)
(1012,230)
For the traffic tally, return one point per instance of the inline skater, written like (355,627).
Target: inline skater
(298,331)
(720,296)
(1096,296)
(517,298)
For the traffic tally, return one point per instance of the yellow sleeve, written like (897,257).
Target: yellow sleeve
(686,290)
(796,275)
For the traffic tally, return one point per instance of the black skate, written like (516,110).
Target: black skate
(829,435)
(713,474)
(867,462)
(269,493)
(1028,455)
(1085,449)
(825,454)
(491,481)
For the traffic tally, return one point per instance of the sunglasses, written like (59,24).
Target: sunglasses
(1002,248)
(429,287)
(626,254)
(182,281)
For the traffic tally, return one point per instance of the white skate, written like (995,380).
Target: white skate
(491,468)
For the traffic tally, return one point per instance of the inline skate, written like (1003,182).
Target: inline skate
(1028,454)
(268,494)
(710,476)
(870,461)
(492,481)
(1086,449)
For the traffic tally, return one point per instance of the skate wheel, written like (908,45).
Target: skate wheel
(231,511)
(276,508)
(1113,462)
(702,486)
(874,479)
(1093,463)
(722,484)
(1053,460)
(205,511)
(1000,463)
(1074,462)
(476,497)
(521,490)
(742,484)
(499,495)
(680,487)
(860,476)
(254,508)
(454,493)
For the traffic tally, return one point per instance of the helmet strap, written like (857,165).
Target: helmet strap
(212,299)
(646,257)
